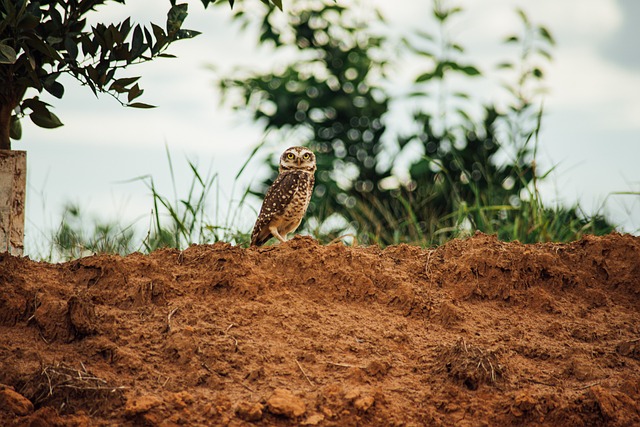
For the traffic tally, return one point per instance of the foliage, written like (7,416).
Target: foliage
(71,240)
(476,168)
(41,40)
(176,221)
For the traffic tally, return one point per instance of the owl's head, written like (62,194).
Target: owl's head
(298,158)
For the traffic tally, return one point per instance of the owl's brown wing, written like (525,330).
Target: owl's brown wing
(275,202)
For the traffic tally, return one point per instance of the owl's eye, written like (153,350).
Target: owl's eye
(307,156)
(290,156)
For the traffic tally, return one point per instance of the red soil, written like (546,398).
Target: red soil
(475,332)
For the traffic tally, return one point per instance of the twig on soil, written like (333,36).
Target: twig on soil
(43,338)
(35,307)
(247,387)
(588,385)
(543,383)
(171,313)
(235,341)
(339,238)
(427,267)
(345,365)
(305,374)
(165,381)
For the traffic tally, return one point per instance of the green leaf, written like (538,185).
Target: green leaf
(36,105)
(54,88)
(7,54)
(140,105)
(461,95)
(15,129)
(46,120)
(419,168)
(425,35)
(278,3)
(512,39)
(137,44)
(423,52)
(547,35)
(186,34)
(158,32)
(424,77)
(28,22)
(124,28)
(523,16)
(545,53)
(175,17)
(161,38)
(34,41)
(125,81)
(134,92)
(504,65)
(469,70)
(440,14)
(71,47)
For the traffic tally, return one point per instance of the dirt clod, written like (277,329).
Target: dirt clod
(284,402)
(250,411)
(14,403)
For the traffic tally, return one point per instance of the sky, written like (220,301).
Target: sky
(590,132)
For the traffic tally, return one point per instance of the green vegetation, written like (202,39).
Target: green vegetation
(200,216)
(463,165)
(42,40)
(476,162)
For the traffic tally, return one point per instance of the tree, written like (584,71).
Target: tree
(476,163)
(41,40)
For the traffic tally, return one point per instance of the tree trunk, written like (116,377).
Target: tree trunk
(5,126)
(13,180)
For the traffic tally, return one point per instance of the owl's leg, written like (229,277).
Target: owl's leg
(274,230)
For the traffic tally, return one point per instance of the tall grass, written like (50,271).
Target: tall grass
(524,218)
(179,221)
(202,215)
(72,239)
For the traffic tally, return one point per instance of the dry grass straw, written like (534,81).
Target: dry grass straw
(65,387)
(471,365)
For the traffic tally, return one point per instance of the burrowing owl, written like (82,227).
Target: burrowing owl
(288,197)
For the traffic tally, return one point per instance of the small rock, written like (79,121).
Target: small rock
(283,402)
(82,315)
(377,368)
(249,411)
(140,404)
(364,403)
(15,402)
(313,420)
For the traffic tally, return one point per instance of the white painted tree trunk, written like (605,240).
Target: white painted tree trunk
(13,183)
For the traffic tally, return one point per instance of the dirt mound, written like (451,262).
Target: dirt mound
(476,332)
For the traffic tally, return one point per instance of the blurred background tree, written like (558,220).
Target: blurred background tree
(476,162)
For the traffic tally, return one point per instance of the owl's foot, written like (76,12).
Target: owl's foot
(274,232)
